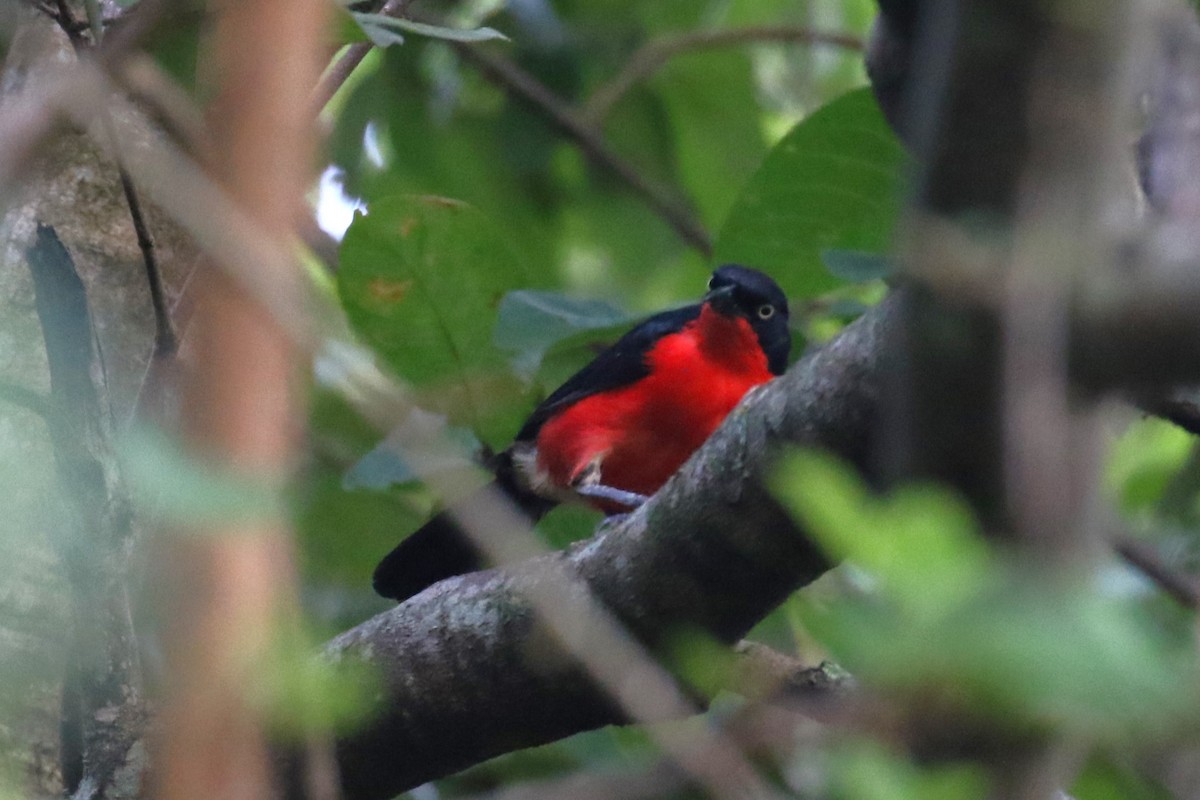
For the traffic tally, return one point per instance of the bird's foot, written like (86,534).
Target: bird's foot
(630,500)
(587,483)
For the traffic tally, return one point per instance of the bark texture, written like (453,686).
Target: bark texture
(77,191)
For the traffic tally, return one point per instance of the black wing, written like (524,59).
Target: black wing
(440,549)
(620,365)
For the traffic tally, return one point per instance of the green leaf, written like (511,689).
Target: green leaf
(921,541)
(384,31)
(345,532)
(714,119)
(863,770)
(1115,778)
(1028,649)
(833,183)
(302,695)
(1143,462)
(348,30)
(421,279)
(173,486)
(531,322)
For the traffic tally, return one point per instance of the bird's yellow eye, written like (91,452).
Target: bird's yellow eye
(766,312)
(710,282)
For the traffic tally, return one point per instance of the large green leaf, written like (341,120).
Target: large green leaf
(833,183)
(714,117)
(421,279)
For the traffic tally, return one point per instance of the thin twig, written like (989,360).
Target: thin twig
(70,26)
(521,84)
(1184,588)
(339,73)
(165,342)
(652,55)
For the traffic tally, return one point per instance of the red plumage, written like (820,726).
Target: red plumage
(640,434)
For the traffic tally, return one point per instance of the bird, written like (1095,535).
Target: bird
(618,429)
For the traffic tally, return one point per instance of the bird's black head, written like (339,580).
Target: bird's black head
(744,292)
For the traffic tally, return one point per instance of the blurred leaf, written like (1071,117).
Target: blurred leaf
(348,30)
(1028,649)
(704,663)
(1105,778)
(865,771)
(1144,460)
(713,116)
(531,322)
(421,279)
(921,541)
(176,47)
(304,695)
(640,128)
(833,183)
(569,355)
(1026,655)
(857,267)
(172,486)
(567,523)
(384,31)
(337,430)
(345,532)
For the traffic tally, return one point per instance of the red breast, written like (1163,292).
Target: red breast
(642,433)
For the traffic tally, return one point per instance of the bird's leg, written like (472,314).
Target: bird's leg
(586,483)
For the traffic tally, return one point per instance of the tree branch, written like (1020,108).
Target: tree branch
(469,670)
(1183,588)
(337,75)
(652,55)
(524,86)
(29,117)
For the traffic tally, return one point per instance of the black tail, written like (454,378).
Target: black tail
(440,549)
(436,551)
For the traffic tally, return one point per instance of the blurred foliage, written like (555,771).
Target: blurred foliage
(172,489)
(302,696)
(1112,776)
(863,771)
(980,632)
(1148,470)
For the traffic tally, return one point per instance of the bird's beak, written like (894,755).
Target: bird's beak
(722,301)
